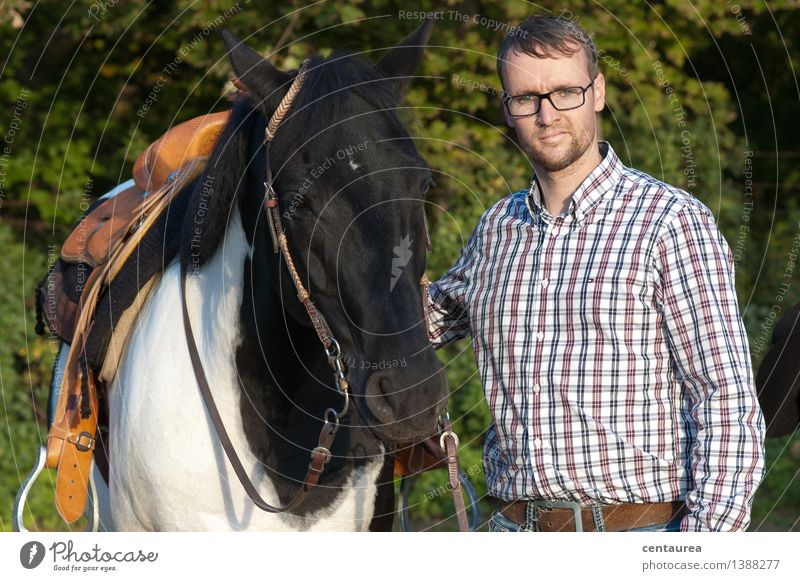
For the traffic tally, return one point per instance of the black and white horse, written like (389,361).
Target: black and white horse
(351,190)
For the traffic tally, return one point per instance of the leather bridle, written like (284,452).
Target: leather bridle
(321,454)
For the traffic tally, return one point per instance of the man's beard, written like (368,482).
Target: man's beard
(553,161)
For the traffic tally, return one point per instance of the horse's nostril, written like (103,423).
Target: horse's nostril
(377,398)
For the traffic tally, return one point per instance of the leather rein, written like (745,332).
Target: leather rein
(321,455)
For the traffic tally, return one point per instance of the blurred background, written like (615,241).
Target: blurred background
(702,94)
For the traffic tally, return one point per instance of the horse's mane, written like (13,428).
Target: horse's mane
(237,161)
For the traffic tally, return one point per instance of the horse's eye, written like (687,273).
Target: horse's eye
(426,185)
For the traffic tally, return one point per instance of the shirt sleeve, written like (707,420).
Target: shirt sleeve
(448,312)
(711,360)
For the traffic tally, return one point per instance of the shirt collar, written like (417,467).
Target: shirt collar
(591,190)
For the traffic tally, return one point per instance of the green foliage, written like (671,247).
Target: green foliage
(692,87)
(25,365)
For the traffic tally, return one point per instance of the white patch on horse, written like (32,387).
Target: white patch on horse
(168,471)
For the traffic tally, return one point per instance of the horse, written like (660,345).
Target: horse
(778,377)
(351,189)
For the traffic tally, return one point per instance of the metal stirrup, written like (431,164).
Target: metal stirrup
(17,518)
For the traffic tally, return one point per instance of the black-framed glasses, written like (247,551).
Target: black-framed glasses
(530,103)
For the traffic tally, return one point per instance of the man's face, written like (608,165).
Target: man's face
(552,139)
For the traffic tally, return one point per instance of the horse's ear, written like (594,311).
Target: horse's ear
(403,60)
(260,78)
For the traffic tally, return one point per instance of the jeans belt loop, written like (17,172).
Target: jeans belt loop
(531,518)
(597,517)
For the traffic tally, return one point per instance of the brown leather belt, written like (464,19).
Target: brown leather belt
(557,517)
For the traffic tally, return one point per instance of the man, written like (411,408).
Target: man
(605,324)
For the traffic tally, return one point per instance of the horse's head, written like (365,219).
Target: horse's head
(351,189)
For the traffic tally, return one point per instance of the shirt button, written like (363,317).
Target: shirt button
(544,282)
(537,443)
(536,388)
(540,335)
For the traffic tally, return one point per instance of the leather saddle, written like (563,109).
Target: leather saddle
(103,239)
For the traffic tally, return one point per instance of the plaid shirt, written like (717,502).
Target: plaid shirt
(611,349)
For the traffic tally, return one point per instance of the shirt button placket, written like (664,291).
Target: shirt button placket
(540,298)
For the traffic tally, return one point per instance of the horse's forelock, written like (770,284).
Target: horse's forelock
(336,89)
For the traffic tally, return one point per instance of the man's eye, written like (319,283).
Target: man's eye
(566,93)
(525,99)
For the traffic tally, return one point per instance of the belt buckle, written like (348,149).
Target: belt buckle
(577,510)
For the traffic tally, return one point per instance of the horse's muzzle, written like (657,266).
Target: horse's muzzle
(404,407)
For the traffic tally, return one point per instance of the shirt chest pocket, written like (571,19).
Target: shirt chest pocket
(613,299)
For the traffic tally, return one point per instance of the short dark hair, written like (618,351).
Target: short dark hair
(541,36)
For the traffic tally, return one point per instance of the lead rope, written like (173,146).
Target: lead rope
(449,444)
(448,440)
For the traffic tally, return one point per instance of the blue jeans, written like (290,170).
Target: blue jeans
(500,523)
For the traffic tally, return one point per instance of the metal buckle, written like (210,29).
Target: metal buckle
(79,442)
(321,450)
(577,510)
(444,435)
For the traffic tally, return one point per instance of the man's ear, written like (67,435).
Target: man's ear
(265,83)
(599,93)
(403,60)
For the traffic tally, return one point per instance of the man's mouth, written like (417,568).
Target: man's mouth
(553,137)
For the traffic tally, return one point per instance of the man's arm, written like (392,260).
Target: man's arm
(710,352)
(448,314)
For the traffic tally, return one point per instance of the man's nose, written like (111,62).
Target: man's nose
(547,114)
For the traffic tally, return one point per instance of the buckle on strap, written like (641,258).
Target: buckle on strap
(577,510)
(83,441)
